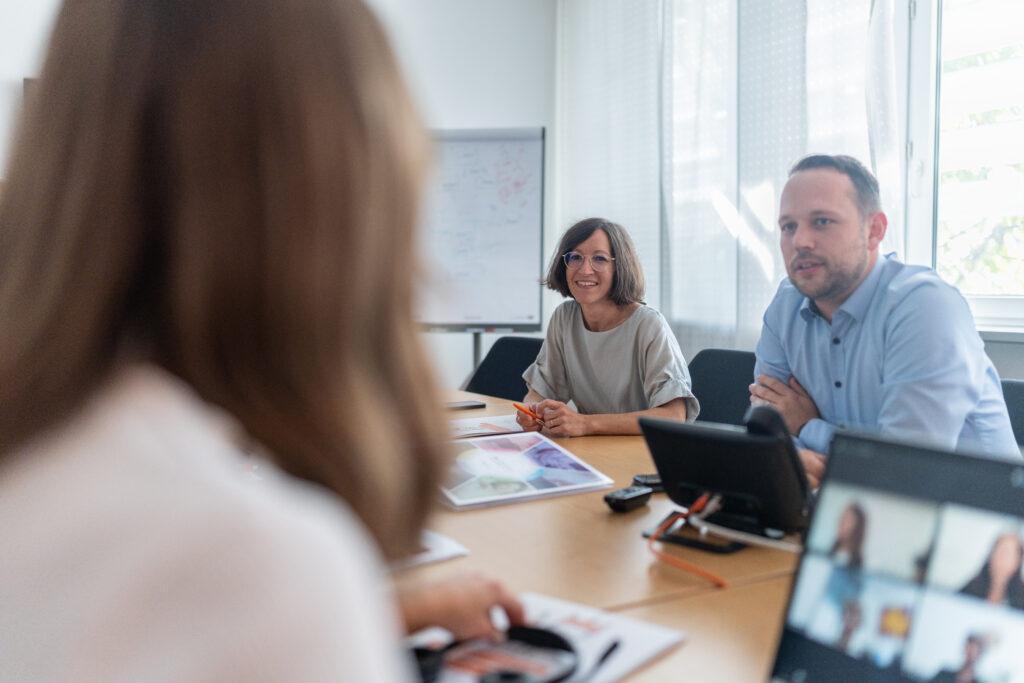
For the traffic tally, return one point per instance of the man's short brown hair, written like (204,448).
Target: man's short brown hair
(865,185)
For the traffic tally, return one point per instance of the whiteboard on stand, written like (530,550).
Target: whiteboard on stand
(483,231)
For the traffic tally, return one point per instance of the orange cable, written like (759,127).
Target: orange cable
(697,506)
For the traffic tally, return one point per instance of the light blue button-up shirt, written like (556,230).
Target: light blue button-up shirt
(901,358)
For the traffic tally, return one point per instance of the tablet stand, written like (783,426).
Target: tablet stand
(691,535)
(682,533)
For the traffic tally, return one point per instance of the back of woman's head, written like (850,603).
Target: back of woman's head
(228,188)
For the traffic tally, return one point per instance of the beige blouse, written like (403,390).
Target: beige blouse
(635,366)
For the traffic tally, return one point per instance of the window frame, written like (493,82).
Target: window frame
(998,318)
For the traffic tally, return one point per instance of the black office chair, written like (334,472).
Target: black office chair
(500,373)
(721,378)
(1013,394)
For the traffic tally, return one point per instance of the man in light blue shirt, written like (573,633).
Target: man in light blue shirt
(861,341)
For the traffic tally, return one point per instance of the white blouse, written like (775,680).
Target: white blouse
(135,549)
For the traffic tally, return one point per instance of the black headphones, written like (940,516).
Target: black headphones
(431,661)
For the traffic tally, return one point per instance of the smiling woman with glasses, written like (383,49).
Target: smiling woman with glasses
(606,351)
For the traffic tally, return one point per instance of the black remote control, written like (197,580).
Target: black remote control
(629,498)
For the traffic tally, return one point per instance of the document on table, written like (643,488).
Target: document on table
(593,631)
(623,642)
(435,547)
(482,426)
(514,467)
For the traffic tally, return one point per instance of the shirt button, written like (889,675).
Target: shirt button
(838,384)
(835,340)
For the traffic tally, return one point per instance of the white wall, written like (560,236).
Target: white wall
(24,28)
(479,64)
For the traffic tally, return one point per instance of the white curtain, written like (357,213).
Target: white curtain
(743,89)
(608,136)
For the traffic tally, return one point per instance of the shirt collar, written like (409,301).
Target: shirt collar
(857,305)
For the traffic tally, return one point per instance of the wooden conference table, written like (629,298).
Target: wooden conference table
(573,547)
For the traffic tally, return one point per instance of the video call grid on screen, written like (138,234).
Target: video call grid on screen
(896,582)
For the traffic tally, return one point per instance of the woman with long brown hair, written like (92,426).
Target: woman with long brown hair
(206,240)
(848,548)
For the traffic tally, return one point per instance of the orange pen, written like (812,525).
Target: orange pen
(523,409)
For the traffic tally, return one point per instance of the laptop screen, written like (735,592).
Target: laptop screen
(912,570)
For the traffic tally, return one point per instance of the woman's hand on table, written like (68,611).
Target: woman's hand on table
(461,604)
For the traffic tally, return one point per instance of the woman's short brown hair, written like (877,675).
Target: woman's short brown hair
(228,189)
(628,283)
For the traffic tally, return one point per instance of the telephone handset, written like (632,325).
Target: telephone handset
(766,421)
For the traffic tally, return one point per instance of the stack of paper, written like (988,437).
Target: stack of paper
(484,426)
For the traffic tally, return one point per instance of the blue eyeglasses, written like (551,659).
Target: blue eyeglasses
(574,260)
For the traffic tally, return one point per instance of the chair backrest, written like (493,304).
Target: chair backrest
(1013,394)
(501,372)
(721,378)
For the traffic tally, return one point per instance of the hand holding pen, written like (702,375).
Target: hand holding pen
(527,418)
